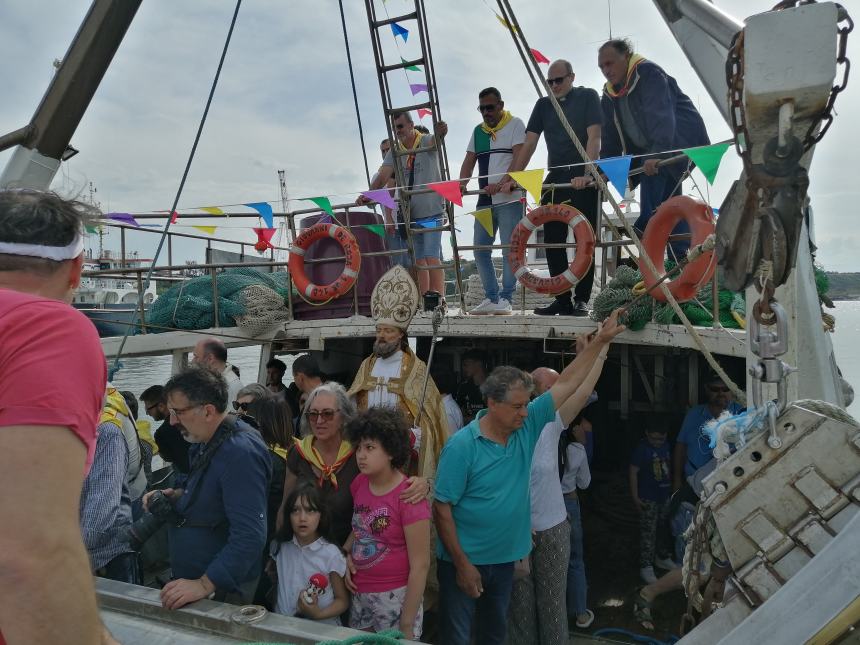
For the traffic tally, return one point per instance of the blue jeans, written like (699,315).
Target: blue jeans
(124,567)
(653,191)
(458,611)
(427,245)
(396,243)
(505,220)
(576,583)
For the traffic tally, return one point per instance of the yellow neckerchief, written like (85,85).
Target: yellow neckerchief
(310,454)
(506,118)
(114,406)
(410,160)
(632,64)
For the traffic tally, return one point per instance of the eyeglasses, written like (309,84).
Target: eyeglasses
(244,405)
(487,108)
(325,415)
(557,81)
(179,411)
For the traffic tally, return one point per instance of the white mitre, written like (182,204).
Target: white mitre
(394,300)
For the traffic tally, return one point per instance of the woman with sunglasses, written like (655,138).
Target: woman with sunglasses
(248,395)
(326,458)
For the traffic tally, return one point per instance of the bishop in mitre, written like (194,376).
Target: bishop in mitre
(393,376)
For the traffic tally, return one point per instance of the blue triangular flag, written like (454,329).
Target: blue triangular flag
(265,211)
(616,170)
(403,32)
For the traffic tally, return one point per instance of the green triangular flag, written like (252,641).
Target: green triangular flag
(93,230)
(411,68)
(708,159)
(379,229)
(323,203)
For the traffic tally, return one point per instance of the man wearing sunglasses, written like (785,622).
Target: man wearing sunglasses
(691,449)
(493,144)
(581,107)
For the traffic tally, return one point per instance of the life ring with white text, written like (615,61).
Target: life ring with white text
(582,233)
(352,262)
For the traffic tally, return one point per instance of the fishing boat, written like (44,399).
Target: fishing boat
(784,503)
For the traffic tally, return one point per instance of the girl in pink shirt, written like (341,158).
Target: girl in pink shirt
(390,541)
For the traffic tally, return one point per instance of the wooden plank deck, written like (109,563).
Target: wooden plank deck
(728,342)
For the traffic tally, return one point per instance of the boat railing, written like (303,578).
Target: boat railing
(610,241)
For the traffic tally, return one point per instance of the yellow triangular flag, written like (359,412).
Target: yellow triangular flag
(506,23)
(212,209)
(209,230)
(531,180)
(485,217)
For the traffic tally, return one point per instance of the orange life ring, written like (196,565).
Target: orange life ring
(352,262)
(700,217)
(582,233)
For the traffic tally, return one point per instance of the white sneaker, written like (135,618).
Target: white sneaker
(667,563)
(486,308)
(647,575)
(503,308)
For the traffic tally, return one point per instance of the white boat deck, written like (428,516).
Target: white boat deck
(727,342)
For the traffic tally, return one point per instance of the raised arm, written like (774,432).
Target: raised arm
(573,376)
(574,404)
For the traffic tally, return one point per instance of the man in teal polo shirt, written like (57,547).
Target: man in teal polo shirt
(482,494)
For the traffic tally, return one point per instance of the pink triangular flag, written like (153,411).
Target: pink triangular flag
(539,58)
(381,196)
(450,190)
(422,112)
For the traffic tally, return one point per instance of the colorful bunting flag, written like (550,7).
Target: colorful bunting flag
(506,23)
(431,222)
(539,58)
(450,190)
(173,217)
(381,196)
(128,218)
(379,229)
(417,87)
(264,238)
(209,230)
(708,159)
(485,217)
(411,68)
(531,180)
(616,170)
(212,209)
(422,112)
(397,30)
(323,202)
(92,230)
(265,211)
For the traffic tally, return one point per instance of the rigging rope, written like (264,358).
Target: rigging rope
(591,168)
(181,184)
(354,93)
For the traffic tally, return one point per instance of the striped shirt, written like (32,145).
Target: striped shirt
(494,158)
(105,501)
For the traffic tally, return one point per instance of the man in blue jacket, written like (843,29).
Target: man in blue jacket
(217,538)
(646,113)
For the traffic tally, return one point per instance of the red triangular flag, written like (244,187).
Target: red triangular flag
(450,190)
(173,217)
(422,112)
(539,58)
(264,238)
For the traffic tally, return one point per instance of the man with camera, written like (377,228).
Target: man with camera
(217,520)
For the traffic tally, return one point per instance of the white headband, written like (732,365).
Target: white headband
(58,253)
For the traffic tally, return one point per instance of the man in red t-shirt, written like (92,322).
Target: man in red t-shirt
(52,380)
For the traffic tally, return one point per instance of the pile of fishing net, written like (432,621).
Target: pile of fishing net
(247,298)
(619,292)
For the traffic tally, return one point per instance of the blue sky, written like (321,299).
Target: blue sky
(284,100)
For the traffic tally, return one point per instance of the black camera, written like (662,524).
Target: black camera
(161,512)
